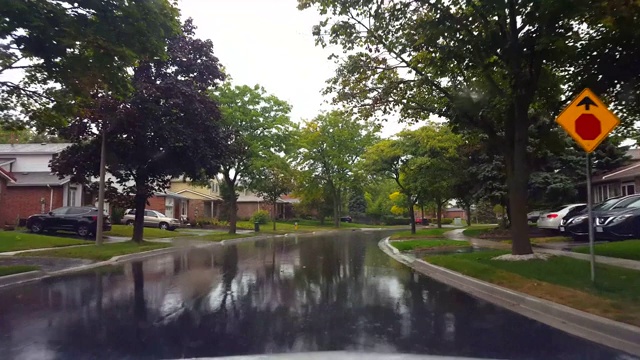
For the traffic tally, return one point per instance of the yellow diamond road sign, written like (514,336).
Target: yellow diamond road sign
(587,120)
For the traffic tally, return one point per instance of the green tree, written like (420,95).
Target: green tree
(270,181)
(492,67)
(261,129)
(330,149)
(169,126)
(67,48)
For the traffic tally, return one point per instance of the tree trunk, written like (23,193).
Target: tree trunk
(275,216)
(140,202)
(439,213)
(336,210)
(233,214)
(467,210)
(412,215)
(517,180)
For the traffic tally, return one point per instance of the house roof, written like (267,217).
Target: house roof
(6,161)
(7,175)
(38,179)
(634,154)
(204,196)
(625,172)
(23,149)
(171,194)
(256,199)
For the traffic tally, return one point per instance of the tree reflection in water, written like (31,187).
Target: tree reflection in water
(337,292)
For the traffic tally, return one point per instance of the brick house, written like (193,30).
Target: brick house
(623,181)
(206,201)
(5,178)
(35,189)
(169,203)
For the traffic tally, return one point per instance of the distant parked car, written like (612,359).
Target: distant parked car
(346,219)
(422,221)
(82,220)
(535,215)
(152,218)
(551,220)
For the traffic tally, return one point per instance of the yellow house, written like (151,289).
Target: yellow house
(204,201)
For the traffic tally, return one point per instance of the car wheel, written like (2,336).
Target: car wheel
(164,226)
(83,230)
(37,227)
(130,222)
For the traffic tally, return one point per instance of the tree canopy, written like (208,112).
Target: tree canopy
(169,126)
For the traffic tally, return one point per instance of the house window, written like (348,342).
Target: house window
(183,208)
(628,189)
(168,207)
(215,188)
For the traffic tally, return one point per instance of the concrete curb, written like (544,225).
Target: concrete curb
(604,331)
(20,277)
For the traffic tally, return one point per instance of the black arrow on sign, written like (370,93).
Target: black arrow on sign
(587,102)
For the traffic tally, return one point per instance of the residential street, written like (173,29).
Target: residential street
(318,293)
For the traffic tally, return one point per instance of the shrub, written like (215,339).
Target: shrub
(391,220)
(260,216)
(116,215)
(446,221)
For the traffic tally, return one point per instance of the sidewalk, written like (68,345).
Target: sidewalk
(624,263)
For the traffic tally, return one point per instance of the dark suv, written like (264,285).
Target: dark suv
(81,220)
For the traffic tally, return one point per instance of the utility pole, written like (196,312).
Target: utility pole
(103,160)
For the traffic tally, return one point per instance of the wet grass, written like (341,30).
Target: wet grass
(545,240)
(615,294)
(409,245)
(19,240)
(477,230)
(16,269)
(629,249)
(422,233)
(149,233)
(100,253)
(283,227)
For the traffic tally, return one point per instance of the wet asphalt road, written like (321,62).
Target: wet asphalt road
(321,293)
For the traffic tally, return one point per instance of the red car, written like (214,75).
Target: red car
(423,221)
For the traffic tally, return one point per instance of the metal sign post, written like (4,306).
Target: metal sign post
(590,214)
(588,121)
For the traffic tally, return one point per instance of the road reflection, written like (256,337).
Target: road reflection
(322,293)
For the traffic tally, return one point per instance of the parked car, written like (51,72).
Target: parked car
(82,220)
(346,219)
(535,215)
(422,221)
(152,218)
(578,226)
(619,225)
(551,220)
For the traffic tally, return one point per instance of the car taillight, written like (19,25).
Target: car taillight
(552,216)
(94,218)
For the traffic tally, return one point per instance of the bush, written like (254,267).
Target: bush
(260,216)
(391,220)
(116,215)
(446,221)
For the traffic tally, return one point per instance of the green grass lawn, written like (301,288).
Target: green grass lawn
(545,240)
(104,252)
(422,233)
(18,240)
(629,249)
(303,226)
(476,230)
(9,270)
(616,293)
(409,245)
(149,233)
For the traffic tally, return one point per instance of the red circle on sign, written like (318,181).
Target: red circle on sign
(588,127)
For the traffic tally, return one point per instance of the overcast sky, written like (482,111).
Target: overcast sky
(269,42)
